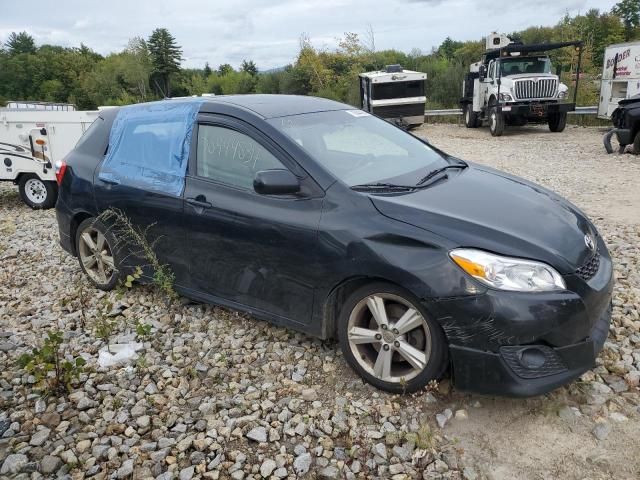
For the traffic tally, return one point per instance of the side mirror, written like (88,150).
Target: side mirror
(276,182)
(482,72)
(558,70)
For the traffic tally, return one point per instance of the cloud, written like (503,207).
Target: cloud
(268,31)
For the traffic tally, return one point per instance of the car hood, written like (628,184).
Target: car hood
(494,211)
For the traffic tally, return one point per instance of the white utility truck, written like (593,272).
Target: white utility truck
(33,136)
(513,85)
(395,94)
(620,76)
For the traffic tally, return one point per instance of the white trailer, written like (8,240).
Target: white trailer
(395,94)
(33,136)
(620,76)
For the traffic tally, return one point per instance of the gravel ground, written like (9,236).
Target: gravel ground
(216,394)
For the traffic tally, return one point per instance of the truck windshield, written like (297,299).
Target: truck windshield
(389,90)
(519,65)
(358,148)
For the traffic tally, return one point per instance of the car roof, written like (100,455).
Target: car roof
(272,106)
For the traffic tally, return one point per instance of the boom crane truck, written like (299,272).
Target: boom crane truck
(513,85)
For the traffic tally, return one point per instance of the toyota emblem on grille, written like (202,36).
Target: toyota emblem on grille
(588,241)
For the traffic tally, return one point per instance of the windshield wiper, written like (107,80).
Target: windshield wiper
(380,186)
(437,171)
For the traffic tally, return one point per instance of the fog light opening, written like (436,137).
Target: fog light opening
(532,357)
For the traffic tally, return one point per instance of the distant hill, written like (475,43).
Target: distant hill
(274,70)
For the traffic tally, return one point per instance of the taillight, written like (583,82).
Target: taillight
(61,168)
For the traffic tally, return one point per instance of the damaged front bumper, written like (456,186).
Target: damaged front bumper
(519,344)
(527,370)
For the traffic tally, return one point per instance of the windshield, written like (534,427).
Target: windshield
(516,66)
(359,148)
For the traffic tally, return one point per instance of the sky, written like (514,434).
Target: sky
(268,32)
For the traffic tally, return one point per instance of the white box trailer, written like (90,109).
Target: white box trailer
(620,76)
(395,94)
(33,136)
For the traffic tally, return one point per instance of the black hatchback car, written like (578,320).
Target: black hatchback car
(322,218)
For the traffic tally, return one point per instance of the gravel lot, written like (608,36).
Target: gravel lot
(216,394)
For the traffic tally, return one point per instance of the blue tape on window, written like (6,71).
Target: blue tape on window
(149,145)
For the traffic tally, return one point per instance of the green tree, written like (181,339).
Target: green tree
(629,13)
(166,56)
(224,69)
(250,67)
(20,43)
(207,70)
(448,47)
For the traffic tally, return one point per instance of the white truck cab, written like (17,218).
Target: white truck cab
(513,84)
(33,136)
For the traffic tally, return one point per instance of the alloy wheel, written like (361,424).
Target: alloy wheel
(389,337)
(35,190)
(96,255)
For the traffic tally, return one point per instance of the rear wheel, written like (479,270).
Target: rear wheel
(389,340)
(97,253)
(557,121)
(496,122)
(470,117)
(37,193)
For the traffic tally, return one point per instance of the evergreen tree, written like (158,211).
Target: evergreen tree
(20,43)
(166,56)
(207,70)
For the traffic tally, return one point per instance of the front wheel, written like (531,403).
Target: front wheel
(37,193)
(496,122)
(470,117)
(557,122)
(389,340)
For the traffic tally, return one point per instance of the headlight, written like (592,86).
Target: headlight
(562,94)
(506,273)
(505,97)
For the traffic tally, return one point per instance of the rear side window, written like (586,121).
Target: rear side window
(95,125)
(231,157)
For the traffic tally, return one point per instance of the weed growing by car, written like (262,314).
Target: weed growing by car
(105,325)
(50,367)
(136,240)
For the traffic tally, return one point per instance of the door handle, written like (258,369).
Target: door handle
(199,202)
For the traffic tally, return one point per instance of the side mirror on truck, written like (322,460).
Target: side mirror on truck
(558,70)
(482,72)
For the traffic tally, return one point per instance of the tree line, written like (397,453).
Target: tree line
(150,69)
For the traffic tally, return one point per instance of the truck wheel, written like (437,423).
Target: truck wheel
(557,122)
(496,122)
(37,193)
(470,117)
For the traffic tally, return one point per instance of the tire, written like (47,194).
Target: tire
(635,149)
(363,341)
(38,194)
(557,122)
(496,122)
(470,117)
(89,263)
